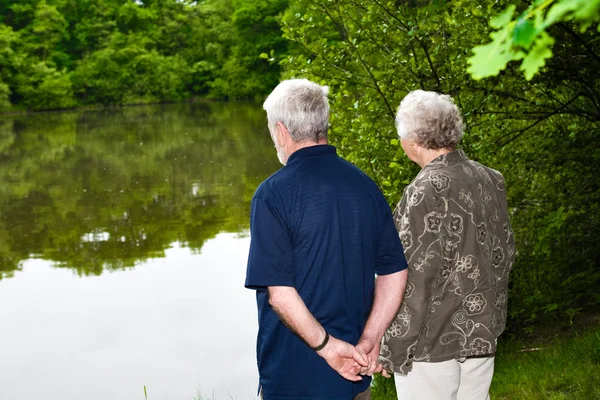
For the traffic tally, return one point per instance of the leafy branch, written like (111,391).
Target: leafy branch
(526,38)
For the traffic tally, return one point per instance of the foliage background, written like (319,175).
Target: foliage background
(542,134)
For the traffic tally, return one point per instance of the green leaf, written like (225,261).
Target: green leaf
(558,11)
(587,12)
(263,55)
(501,20)
(536,58)
(394,142)
(524,33)
(491,58)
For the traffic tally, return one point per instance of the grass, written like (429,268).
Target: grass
(562,365)
(562,369)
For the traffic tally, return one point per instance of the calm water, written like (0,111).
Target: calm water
(123,245)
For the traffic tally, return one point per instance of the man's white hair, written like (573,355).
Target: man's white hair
(301,105)
(431,119)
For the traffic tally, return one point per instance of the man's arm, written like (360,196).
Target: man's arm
(389,290)
(292,311)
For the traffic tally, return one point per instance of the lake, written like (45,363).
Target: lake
(123,246)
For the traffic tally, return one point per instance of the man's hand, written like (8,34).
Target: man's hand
(344,358)
(371,348)
(389,290)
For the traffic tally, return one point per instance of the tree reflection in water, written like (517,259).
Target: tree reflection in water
(106,190)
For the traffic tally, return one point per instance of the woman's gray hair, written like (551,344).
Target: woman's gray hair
(301,105)
(431,119)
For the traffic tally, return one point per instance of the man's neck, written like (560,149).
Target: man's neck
(307,143)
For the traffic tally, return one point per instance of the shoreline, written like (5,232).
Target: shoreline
(100,107)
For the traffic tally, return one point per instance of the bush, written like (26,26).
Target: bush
(45,88)
(125,71)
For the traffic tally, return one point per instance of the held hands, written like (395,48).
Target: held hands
(371,349)
(352,362)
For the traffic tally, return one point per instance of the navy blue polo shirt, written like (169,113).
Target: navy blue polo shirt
(322,226)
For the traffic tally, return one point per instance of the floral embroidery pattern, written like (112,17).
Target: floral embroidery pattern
(486,196)
(404,318)
(395,330)
(440,182)
(497,256)
(480,347)
(451,243)
(422,261)
(433,222)
(495,216)
(500,298)
(456,224)
(481,233)
(409,289)
(466,197)
(474,275)
(464,264)
(406,239)
(475,303)
(446,267)
(416,196)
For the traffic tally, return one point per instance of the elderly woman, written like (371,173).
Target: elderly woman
(454,225)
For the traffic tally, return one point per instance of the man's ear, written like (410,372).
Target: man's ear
(281,134)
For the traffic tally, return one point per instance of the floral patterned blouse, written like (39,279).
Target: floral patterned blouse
(454,225)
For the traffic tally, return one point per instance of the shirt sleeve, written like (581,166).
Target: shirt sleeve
(390,256)
(270,262)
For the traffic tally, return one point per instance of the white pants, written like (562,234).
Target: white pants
(465,379)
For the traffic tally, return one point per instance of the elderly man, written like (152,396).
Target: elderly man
(454,224)
(320,231)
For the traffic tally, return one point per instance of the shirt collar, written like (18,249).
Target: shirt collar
(447,159)
(311,151)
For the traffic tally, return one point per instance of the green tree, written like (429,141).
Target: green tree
(49,27)
(9,63)
(255,30)
(91,22)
